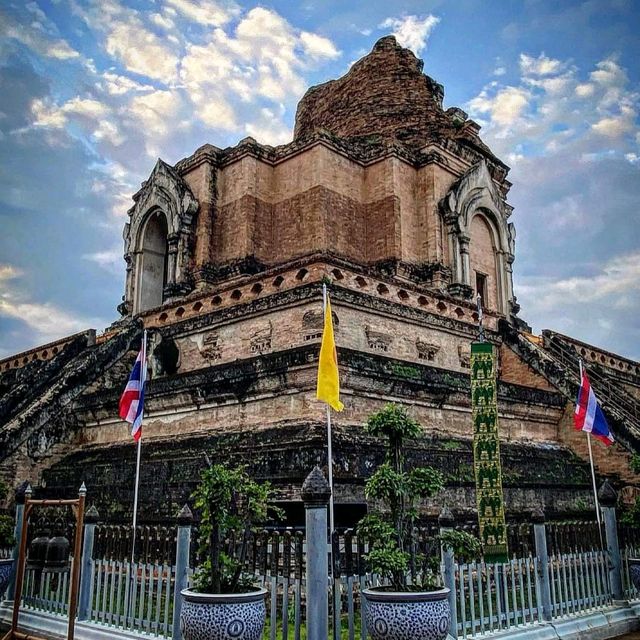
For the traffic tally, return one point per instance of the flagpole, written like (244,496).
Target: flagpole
(593,473)
(329,449)
(137,484)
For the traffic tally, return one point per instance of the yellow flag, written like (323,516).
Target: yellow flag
(328,377)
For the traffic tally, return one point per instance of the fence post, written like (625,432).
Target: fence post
(607,497)
(315,495)
(17,534)
(86,573)
(542,576)
(446,522)
(183,547)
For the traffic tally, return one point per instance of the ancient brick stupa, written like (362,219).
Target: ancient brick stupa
(400,205)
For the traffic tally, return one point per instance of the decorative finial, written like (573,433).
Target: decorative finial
(184,517)
(446,519)
(20,491)
(315,489)
(537,515)
(91,516)
(83,490)
(607,495)
(28,492)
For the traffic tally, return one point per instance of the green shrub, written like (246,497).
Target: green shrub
(231,505)
(395,494)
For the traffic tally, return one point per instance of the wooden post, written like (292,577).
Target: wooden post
(21,559)
(29,504)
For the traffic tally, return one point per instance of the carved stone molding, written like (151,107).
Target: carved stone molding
(377,340)
(260,341)
(211,349)
(464,356)
(426,350)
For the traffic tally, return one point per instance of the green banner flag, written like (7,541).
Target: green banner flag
(486,453)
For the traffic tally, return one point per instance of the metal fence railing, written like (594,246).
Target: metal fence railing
(630,591)
(579,582)
(141,597)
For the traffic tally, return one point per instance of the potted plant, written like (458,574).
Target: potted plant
(6,541)
(416,608)
(224,602)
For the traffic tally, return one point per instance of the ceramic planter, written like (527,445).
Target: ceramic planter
(634,572)
(420,615)
(6,569)
(223,616)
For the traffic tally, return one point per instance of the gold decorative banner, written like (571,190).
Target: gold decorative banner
(486,453)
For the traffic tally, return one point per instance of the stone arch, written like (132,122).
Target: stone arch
(475,194)
(152,256)
(167,192)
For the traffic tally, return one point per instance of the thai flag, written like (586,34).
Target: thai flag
(132,399)
(588,416)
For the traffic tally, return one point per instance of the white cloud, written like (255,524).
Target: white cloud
(617,125)
(505,107)
(162,21)
(205,12)
(9,272)
(618,277)
(269,128)
(262,60)
(540,66)
(49,321)
(110,260)
(552,105)
(411,31)
(156,111)
(318,47)
(142,51)
(37,37)
(116,84)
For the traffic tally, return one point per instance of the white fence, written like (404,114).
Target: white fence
(493,597)
(579,582)
(630,591)
(136,596)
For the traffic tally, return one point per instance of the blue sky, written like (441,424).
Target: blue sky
(93,91)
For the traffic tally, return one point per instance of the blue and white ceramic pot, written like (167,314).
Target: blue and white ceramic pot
(634,572)
(223,616)
(420,615)
(6,569)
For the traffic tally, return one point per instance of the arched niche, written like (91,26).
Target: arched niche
(153,258)
(164,194)
(473,205)
(484,273)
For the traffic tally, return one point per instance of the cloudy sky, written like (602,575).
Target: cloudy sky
(93,91)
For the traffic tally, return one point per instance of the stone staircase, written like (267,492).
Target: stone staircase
(558,362)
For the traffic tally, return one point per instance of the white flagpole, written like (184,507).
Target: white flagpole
(593,473)
(143,380)
(329,450)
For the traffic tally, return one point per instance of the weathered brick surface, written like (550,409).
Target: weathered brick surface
(384,93)
(513,369)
